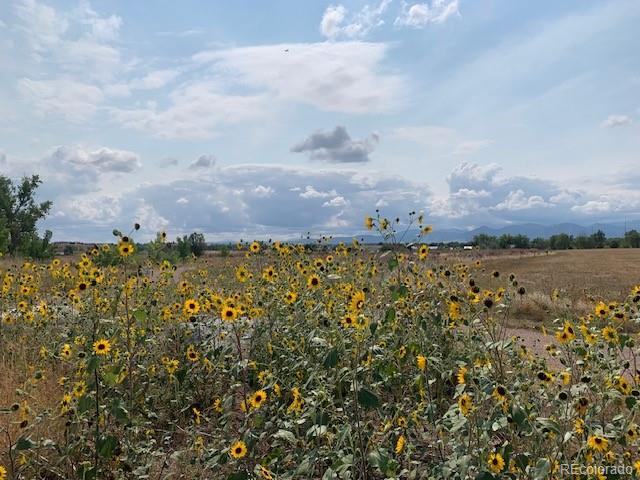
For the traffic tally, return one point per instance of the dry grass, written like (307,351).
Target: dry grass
(580,276)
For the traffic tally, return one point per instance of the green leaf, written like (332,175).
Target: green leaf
(238,476)
(286,435)
(543,467)
(25,444)
(120,412)
(630,402)
(106,446)
(93,364)
(392,263)
(331,360)
(368,399)
(84,404)
(390,314)
(140,315)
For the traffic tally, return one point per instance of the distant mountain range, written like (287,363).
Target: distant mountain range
(531,230)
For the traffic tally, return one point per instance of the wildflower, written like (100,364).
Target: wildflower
(421,362)
(238,450)
(229,314)
(3,473)
(102,347)
(400,444)
(313,281)
(601,309)
(65,352)
(465,404)
(500,393)
(598,443)
(79,389)
(495,462)
(196,415)
(632,433)
(291,297)
(610,334)
(368,223)
(192,354)
(265,473)
(462,371)
(258,398)
(191,307)
(357,301)
(125,248)
(255,247)
(423,251)
(578,426)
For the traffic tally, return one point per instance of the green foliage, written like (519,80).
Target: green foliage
(19,214)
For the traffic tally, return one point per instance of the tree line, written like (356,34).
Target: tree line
(561,241)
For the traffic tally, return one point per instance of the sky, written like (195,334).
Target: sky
(253,119)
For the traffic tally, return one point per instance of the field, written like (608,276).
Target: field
(277,362)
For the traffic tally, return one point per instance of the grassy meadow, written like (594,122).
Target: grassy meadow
(277,362)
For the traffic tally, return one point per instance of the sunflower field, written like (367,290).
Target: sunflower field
(286,362)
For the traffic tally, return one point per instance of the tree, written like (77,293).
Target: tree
(19,211)
(632,239)
(483,241)
(561,241)
(197,243)
(599,239)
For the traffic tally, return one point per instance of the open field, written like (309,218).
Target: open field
(353,363)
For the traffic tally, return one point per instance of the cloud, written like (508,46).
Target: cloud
(190,115)
(103,160)
(331,76)
(73,100)
(203,161)
(613,121)
(182,34)
(332,24)
(168,162)
(472,146)
(248,201)
(78,42)
(419,15)
(443,139)
(337,146)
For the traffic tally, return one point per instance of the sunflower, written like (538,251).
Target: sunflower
(421,362)
(265,473)
(500,393)
(348,321)
(610,334)
(269,274)
(313,281)
(368,223)
(495,462)
(601,309)
(632,433)
(598,443)
(258,398)
(581,405)
(423,251)
(125,248)
(462,371)
(79,389)
(191,307)
(254,247)
(238,450)
(291,297)
(102,346)
(622,385)
(465,404)
(357,301)
(400,444)
(192,354)
(229,313)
